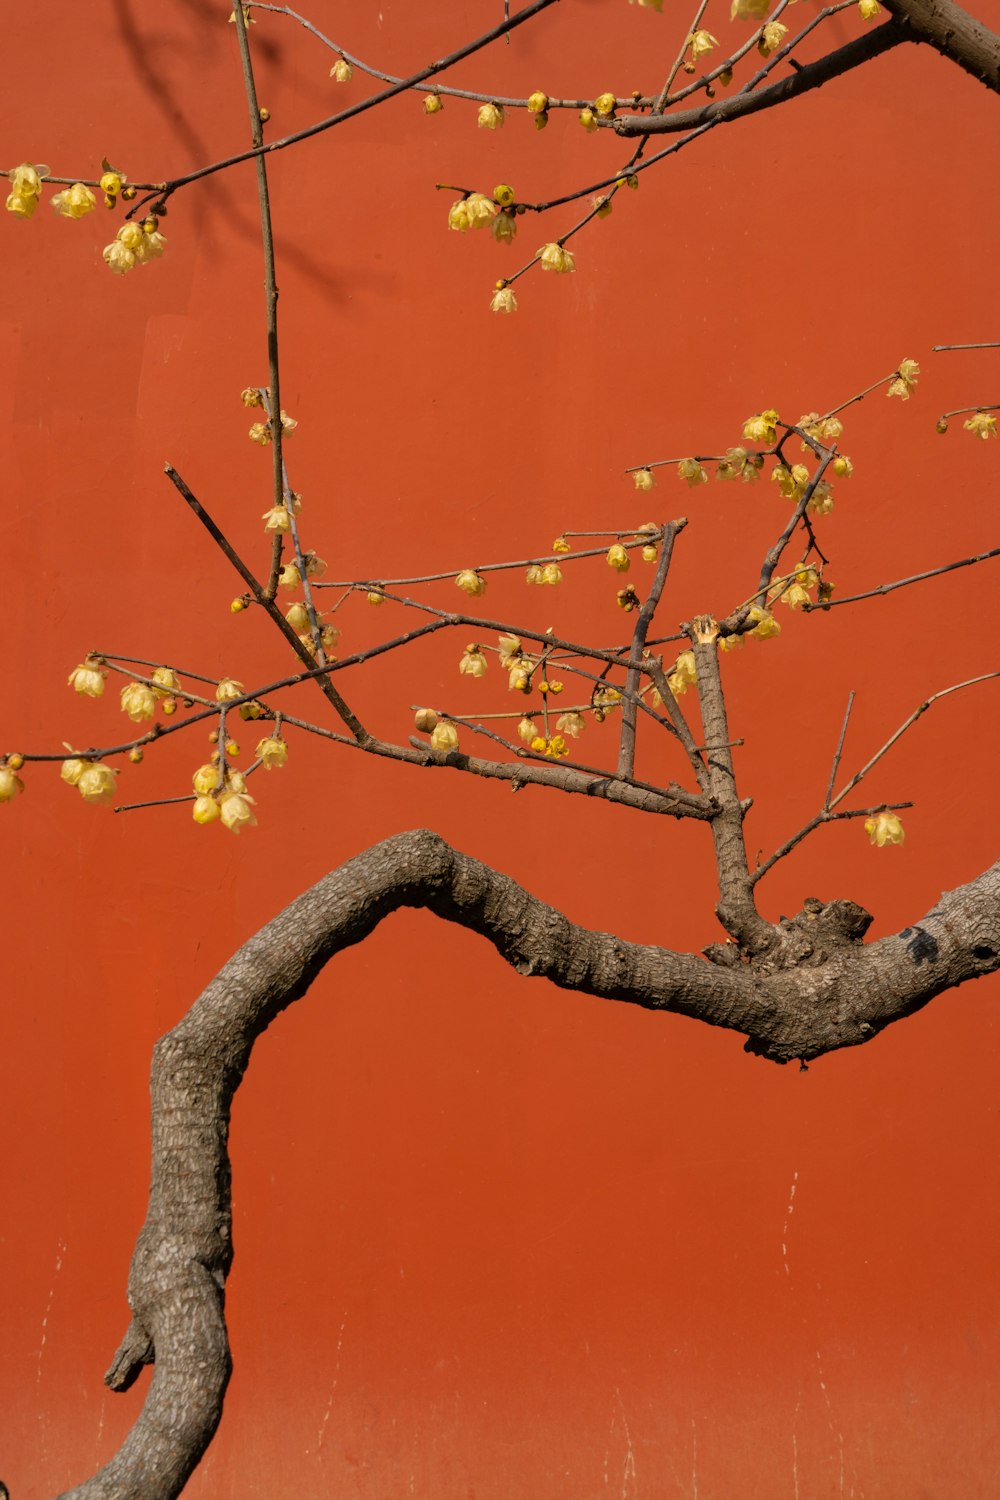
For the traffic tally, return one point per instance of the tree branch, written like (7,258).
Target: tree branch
(819,990)
(862,50)
(951,31)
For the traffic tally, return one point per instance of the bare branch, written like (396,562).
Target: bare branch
(811,76)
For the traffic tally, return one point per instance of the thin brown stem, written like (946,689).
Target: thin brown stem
(626,749)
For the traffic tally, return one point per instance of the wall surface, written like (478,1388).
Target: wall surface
(495,1240)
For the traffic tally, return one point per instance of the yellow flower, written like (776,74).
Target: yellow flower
(731,642)
(272,751)
(884,828)
(315,566)
(683,675)
(770,38)
(205,779)
(604,104)
(821,499)
(823,429)
(250,396)
(556,746)
(510,650)
(252,710)
(503,194)
(795,596)
(503,300)
(628,599)
(490,117)
(479,210)
(526,730)
(228,689)
(471,583)
(444,736)
(505,228)
(560,544)
(26,185)
(648,4)
(538,102)
(571,724)
(260,433)
(205,810)
(749,10)
(151,247)
(519,680)
(842,466)
(473,663)
(73,202)
(701,42)
(552,573)
(165,682)
(869,9)
(290,577)
(458,216)
(342,72)
(763,623)
(119,257)
(277,518)
(905,379)
(588,120)
(298,618)
(375,599)
(983,424)
(96,783)
(10,784)
(138,701)
(690,469)
(791,482)
(541,120)
(88,678)
(236,811)
(644,479)
(552,257)
(433,104)
(762,428)
(618,558)
(71,770)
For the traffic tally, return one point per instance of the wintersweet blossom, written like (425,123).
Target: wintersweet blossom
(749,10)
(762,623)
(762,428)
(905,380)
(884,828)
(701,43)
(165,682)
(342,72)
(471,583)
(26,185)
(73,202)
(572,724)
(205,779)
(771,38)
(96,784)
(618,558)
(10,784)
(538,102)
(228,689)
(272,752)
(684,674)
(236,811)
(691,471)
(444,736)
(205,810)
(503,300)
(982,424)
(473,663)
(604,104)
(490,117)
(433,104)
(553,257)
(138,701)
(869,9)
(88,678)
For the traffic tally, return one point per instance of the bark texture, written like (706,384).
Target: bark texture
(813,986)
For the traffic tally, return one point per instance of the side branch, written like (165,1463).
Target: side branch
(811,76)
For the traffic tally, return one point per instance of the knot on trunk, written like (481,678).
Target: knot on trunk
(815,933)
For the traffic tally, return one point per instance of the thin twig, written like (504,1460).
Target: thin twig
(902,583)
(839,750)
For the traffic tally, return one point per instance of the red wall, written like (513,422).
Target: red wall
(492,1239)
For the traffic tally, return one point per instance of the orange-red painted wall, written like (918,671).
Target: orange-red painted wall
(494,1240)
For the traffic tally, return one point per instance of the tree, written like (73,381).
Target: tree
(798,988)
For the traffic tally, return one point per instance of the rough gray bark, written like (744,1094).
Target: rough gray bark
(811,988)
